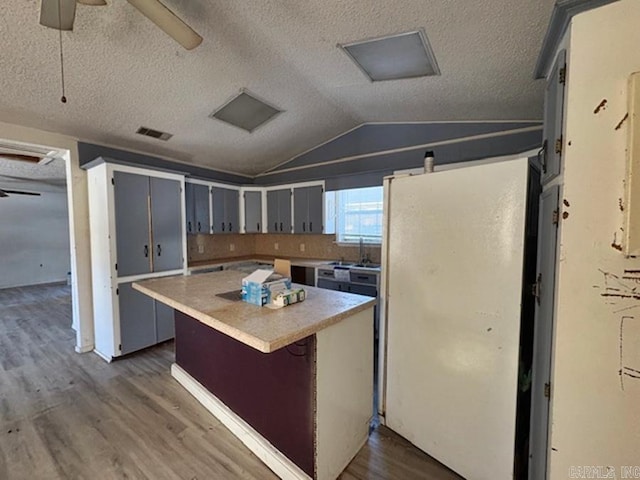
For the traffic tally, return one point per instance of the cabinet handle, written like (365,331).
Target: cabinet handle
(280,227)
(189,226)
(159,250)
(258,225)
(275,226)
(311,226)
(146,251)
(223,226)
(198,226)
(304,226)
(229,226)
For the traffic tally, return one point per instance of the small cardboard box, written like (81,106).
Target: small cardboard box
(260,287)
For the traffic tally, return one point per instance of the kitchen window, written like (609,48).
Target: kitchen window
(356,214)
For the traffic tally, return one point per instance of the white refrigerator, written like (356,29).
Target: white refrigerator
(451,303)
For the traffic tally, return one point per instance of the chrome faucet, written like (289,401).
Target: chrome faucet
(362,259)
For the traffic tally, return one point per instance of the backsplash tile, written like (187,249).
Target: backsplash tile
(315,246)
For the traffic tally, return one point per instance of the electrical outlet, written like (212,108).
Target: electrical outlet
(232,247)
(276,246)
(302,247)
(200,248)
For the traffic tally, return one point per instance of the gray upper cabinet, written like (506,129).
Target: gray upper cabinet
(307,209)
(148,224)
(279,211)
(197,204)
(225,204)
(190,207)
(252,212)
(166,224)
(131,193)
(553,143)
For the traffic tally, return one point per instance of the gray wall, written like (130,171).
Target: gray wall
(369,167)
(89,152)
(34,236)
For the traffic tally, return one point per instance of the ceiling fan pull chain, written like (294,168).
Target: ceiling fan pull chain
(64,98)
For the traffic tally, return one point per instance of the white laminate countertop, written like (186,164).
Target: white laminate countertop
(262,328)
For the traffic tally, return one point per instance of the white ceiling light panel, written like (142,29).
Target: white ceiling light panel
(405,55)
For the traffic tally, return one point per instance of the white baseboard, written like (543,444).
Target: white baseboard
(265,451)
(83,348)
(102,356)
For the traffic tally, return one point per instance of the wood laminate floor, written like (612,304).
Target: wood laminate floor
(70,416)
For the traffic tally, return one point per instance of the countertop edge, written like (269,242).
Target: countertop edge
(246,338)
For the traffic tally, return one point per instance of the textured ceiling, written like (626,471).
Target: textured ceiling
(123,72)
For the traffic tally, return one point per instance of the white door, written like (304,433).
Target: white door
(455,243)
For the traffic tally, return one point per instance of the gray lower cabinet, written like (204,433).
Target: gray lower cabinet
(143,321)
(368,290)
(197,204)
(252,212)
(307,209)
(148,220)
(279,211)
(165,325)
(137,319)
(225,204)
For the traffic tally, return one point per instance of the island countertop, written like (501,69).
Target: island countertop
(262,328)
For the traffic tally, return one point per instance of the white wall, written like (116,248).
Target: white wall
(596,412)
(34,237)
(77,199)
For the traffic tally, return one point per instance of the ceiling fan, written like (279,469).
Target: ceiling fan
(60,15)
(7,193)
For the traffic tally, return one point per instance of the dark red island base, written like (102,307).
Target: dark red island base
(273,392)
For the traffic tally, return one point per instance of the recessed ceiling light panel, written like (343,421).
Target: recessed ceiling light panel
(405,55)
(246,111)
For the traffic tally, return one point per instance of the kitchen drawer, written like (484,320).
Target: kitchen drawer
(364,277)
(331,284)
(322,273)
(368,290)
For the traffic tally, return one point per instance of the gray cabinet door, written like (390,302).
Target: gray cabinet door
(553,143)
(543,333)
(201,216)
(314,202)
(165,327)
(284,210)
(137,319)
(190,207)
(131,195)
(252,212)
(232,209)
(166,224)
(273,218)
(218,210)
(300,210)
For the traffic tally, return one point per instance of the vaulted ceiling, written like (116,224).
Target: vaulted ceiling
(122,72)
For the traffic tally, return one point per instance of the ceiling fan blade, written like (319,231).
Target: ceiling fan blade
(93,3)
(60,20)
(168,22)
(17,192)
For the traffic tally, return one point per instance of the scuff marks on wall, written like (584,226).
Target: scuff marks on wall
(623,292)
(601,106)
(615,245)
(629,350)
(624,119)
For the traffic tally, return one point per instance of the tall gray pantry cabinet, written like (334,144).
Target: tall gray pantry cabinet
(137,231)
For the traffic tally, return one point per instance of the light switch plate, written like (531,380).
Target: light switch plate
(302,247)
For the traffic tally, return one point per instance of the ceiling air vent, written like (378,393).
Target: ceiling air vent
(405,55)
(150,132)
(246,111)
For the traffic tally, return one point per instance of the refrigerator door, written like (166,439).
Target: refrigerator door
(455,243)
